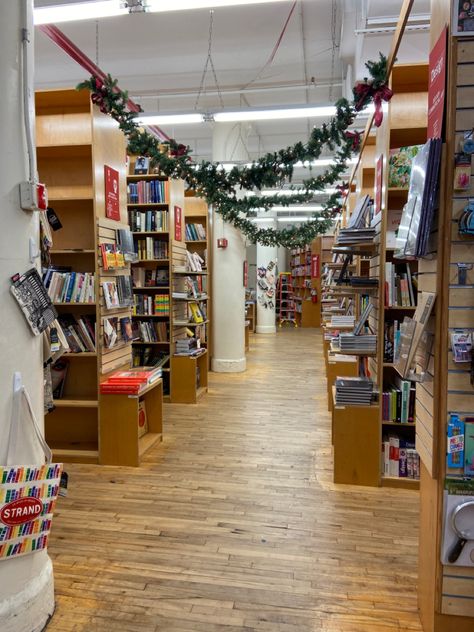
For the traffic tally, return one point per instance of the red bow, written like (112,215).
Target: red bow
(178,151)
(381,94)
(343,188)
(364,91)
(355,137)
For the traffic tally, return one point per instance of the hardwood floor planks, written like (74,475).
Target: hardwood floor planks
(233,524)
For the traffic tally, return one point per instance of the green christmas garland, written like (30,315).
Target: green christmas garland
(220,187)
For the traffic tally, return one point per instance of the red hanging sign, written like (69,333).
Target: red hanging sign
(315,271)
(378,184)
(246,273)
(437,86)
(178,223)
(112,202)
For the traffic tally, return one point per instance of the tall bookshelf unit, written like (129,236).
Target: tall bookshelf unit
(307,312)
(74,142)
(154,240)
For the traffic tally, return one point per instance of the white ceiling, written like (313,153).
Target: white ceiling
(159,58)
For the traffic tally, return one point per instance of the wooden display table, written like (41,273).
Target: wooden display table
(189,378)
(120,443)
(356,444)
(247,335)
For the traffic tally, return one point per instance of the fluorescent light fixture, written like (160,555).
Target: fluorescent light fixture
(169,119)
(78,11)
(299,209)
(294,219)
(110,8)
(323,162)
(258,220)
(274,114)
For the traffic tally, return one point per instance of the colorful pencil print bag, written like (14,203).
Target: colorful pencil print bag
(28,493)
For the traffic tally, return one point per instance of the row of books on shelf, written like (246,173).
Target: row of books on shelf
(400,458)
(147,277)
(392,333)
(130,381)
(398,402)
(119,292)
(150,331)
(79,332)
(301,271)
(148,221)
(399,286)
(149,248)
(66,286)
(195,232)
(148,192)
(151,305)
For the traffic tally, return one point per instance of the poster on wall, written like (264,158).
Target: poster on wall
(112,202)
(378,184)
(463,18)
(437,86)
(178,221)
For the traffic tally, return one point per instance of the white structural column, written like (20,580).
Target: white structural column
(26,583)
(266,255)
(228,292)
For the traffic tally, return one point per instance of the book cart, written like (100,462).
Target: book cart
(75,143)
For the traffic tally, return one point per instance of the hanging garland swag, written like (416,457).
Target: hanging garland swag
(211,181)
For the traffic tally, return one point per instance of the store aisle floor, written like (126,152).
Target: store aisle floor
(233,524)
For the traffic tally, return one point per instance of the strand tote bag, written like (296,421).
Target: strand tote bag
(28,493)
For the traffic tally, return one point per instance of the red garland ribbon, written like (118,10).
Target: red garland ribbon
(178,151)
(343,188)
(364,91)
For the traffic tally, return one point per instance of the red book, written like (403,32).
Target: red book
(132,389)
(134,376)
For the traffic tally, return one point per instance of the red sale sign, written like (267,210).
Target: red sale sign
(112,202)
(315,269)
(178,222)
(437,86)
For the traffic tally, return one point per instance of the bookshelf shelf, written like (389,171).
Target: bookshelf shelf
(76,454)
(147,344)
(148,205)
(403,483)
(150,316)
(148,441)
(74,304)
(191,300)
(190,273)
(151,287)
(72,251)
(76,403)
(397,423)
(83,354)
(154,261)
(150,232)
(184,323)
(132,177)
(196,241)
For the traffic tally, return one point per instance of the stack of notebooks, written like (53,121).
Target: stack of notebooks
(356,236)
(351,343)
(354,391)
(342,321)
(187,347)
(130,382)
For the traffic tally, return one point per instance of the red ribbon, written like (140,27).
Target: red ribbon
(381,94)
(363,92)
(178,151)
(355,137)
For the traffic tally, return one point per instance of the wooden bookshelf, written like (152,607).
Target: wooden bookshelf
(189,378)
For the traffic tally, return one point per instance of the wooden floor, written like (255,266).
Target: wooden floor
(233,524)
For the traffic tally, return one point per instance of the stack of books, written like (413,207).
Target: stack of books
(130,382)
(188,347)
(351,343)
(400,458)
(342,321)
(354,391)
(356,236)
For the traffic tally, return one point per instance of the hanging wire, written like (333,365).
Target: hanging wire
(97,42)
(209,62)
(334,47)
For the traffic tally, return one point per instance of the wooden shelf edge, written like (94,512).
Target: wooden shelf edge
(76,403)
(146,442)
(403,483)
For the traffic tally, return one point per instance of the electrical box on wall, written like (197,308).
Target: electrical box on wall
(33,196)
(222,242)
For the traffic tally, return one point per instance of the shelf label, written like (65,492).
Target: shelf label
(437,86)
(112,201)
(178,222)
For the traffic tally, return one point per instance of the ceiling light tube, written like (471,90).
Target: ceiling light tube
(295,219)
(169,119)
(110,8)
(274,114)
(288,192)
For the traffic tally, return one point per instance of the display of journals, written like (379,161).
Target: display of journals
(354,391)
(417,218)
(356,236)
(342,320)
(349,342)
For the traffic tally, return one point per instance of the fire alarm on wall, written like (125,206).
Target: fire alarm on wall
(222,242)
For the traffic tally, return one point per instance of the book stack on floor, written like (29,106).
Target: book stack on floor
(188,347)
(398,402)
(399,458)
(342,321)
(354,391)
(350,343)
(131,381)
